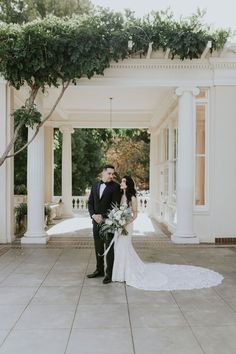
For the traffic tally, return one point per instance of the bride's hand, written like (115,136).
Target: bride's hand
(129,222)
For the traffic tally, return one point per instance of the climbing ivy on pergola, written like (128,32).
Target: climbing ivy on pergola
(55,52)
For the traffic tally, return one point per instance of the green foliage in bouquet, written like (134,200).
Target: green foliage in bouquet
(116,221)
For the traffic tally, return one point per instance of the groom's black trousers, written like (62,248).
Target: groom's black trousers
(99,250)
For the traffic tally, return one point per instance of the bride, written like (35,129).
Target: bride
(129,268)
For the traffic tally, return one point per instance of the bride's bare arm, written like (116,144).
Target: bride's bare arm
(134,207)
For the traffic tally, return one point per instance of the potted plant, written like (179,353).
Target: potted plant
(21,217)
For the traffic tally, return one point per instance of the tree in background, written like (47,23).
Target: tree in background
(126,149)
(20,11)
(13,11)
(87,158)
(20,164)
(129,153)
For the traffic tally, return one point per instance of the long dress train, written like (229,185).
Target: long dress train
(129,268)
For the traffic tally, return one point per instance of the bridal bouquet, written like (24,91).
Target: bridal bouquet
(116,220)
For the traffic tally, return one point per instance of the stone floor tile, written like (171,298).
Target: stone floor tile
(209,315)
(217,340)
(46,317)
(56,295)
(108,294)
(137,296)
(100,341)
(16,295)
(79,268)
(3,334)
(165,340)
(102,316)
(36,342)
(39,269)
(23,280)
(63,279)
(196,298)
(152,315)
(9,314)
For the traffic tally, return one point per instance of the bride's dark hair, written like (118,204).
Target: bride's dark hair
(130,191)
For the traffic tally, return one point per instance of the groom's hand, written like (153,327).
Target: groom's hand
(97,218)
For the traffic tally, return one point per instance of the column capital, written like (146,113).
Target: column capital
(192,89)
(66,129)
(152,130)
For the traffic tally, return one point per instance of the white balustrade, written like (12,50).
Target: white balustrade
(80,203)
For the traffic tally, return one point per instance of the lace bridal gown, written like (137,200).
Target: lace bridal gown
(129,268)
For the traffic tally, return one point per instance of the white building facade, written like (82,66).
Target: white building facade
(189,108)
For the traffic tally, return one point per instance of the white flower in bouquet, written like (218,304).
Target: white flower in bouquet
(108,221)
(112,212)
(122,222)
(118,215)
(116,220)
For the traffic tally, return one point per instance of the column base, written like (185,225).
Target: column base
(185,239)
(35,238)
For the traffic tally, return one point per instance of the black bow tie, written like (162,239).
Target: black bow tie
(106,183)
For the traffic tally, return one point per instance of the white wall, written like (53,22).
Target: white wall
(220,220)
(223,222)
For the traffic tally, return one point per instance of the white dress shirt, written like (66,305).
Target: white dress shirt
(101,190)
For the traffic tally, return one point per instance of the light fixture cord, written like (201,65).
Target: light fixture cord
(111,111)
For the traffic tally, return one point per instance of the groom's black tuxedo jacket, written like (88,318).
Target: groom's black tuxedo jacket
(111,195)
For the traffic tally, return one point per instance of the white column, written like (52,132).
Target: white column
(153,174)
(48,159)
(6,170)
(170,169)
(185,167)
(35,185)
(66,130)
(161,136)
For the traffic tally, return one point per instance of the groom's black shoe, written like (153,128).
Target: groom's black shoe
(106,280)
(96,274)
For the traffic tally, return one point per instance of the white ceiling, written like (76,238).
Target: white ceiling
(91,105)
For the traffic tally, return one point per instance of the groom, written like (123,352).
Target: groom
(103,194)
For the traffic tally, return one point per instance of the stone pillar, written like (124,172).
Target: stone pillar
(170,171)
(66,130)
(6,170)
(161,176)
(35,185)
(185,167)
(153,174)
(48,156)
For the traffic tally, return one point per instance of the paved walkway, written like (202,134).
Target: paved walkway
(81,226)
(48,306)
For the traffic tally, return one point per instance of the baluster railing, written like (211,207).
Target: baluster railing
(80,203)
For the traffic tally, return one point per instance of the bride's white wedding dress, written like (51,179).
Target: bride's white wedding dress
(129,268)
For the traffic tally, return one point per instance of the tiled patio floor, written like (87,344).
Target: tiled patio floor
(48,306)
